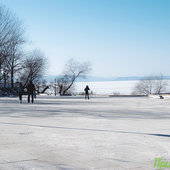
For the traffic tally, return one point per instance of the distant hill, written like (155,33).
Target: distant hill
(50,78)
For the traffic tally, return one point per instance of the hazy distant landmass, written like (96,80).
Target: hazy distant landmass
(96,78)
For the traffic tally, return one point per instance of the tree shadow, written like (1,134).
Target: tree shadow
(161,135)
(84,129)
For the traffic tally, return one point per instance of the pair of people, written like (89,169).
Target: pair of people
(30,91)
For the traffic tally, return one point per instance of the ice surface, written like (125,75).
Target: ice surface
(73,133)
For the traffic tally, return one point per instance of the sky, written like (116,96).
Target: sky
(118,37)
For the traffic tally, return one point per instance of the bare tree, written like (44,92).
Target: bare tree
(150,85)
(33,67)
(11,38)
(41,86)
(65,85)
(5,34)
(73,70)
(15,54)
(161,84)
(12,65)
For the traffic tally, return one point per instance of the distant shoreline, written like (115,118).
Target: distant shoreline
(102,79)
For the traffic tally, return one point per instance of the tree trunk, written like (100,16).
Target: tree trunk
(68,87)
(45,89)
(5,78)
(12,79)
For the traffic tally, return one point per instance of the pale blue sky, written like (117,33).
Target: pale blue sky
(118,37)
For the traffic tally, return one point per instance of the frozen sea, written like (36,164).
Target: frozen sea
(107,87)
(110,87)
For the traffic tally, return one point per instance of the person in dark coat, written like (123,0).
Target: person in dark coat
(20,92)
(87,92)
(30,91)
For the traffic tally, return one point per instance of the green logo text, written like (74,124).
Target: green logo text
(161,164)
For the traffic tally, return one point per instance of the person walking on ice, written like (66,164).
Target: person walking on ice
(20,92)
(30,91)
(87,92)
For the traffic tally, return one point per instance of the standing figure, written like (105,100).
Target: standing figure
(30,91)
(87,92)
(20,92)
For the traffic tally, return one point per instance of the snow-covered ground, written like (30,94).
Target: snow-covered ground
(73,133)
